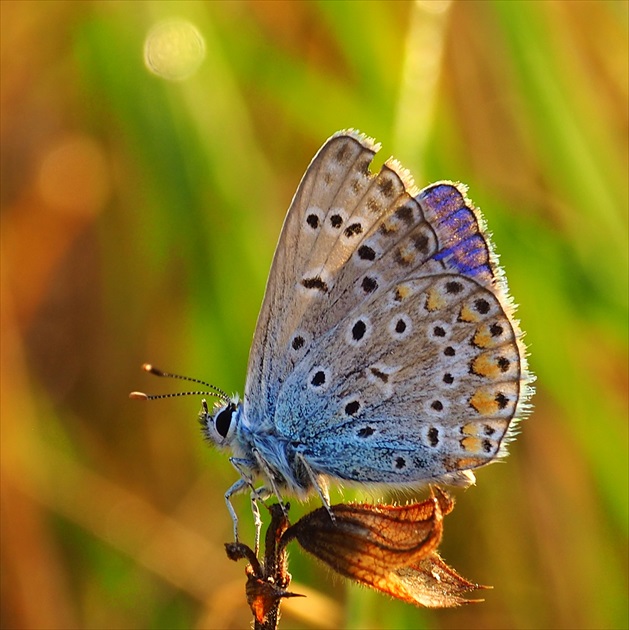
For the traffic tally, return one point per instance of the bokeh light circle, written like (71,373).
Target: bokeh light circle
(174,49)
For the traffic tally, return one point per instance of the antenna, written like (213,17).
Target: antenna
(147,367)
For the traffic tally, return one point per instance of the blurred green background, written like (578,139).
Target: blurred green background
(139,218)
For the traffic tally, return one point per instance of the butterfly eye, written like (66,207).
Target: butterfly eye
(223,420)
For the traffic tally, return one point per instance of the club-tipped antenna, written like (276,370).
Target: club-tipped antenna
(215,391)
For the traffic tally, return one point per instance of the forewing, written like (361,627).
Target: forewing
(315,242)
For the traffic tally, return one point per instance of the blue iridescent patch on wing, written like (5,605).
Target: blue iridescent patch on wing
(462,245)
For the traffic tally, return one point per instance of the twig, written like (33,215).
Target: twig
(268,580)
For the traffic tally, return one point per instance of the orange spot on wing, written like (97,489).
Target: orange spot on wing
(485,365)
(484,402)
(482,338)
(468,315)
(471,444)
(402,291)
(435,300)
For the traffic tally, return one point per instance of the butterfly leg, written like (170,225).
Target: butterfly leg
(319,484)
(237,487)
(271,477)
(260,494)
(243,466)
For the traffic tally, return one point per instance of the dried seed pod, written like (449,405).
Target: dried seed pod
(391,548)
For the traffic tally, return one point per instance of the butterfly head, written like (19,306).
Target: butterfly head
(219,424)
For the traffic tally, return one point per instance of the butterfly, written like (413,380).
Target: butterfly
(386,352)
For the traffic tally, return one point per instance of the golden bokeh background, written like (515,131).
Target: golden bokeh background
(143,190)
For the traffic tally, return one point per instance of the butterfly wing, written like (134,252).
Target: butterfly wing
(336,178)
(386,348)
